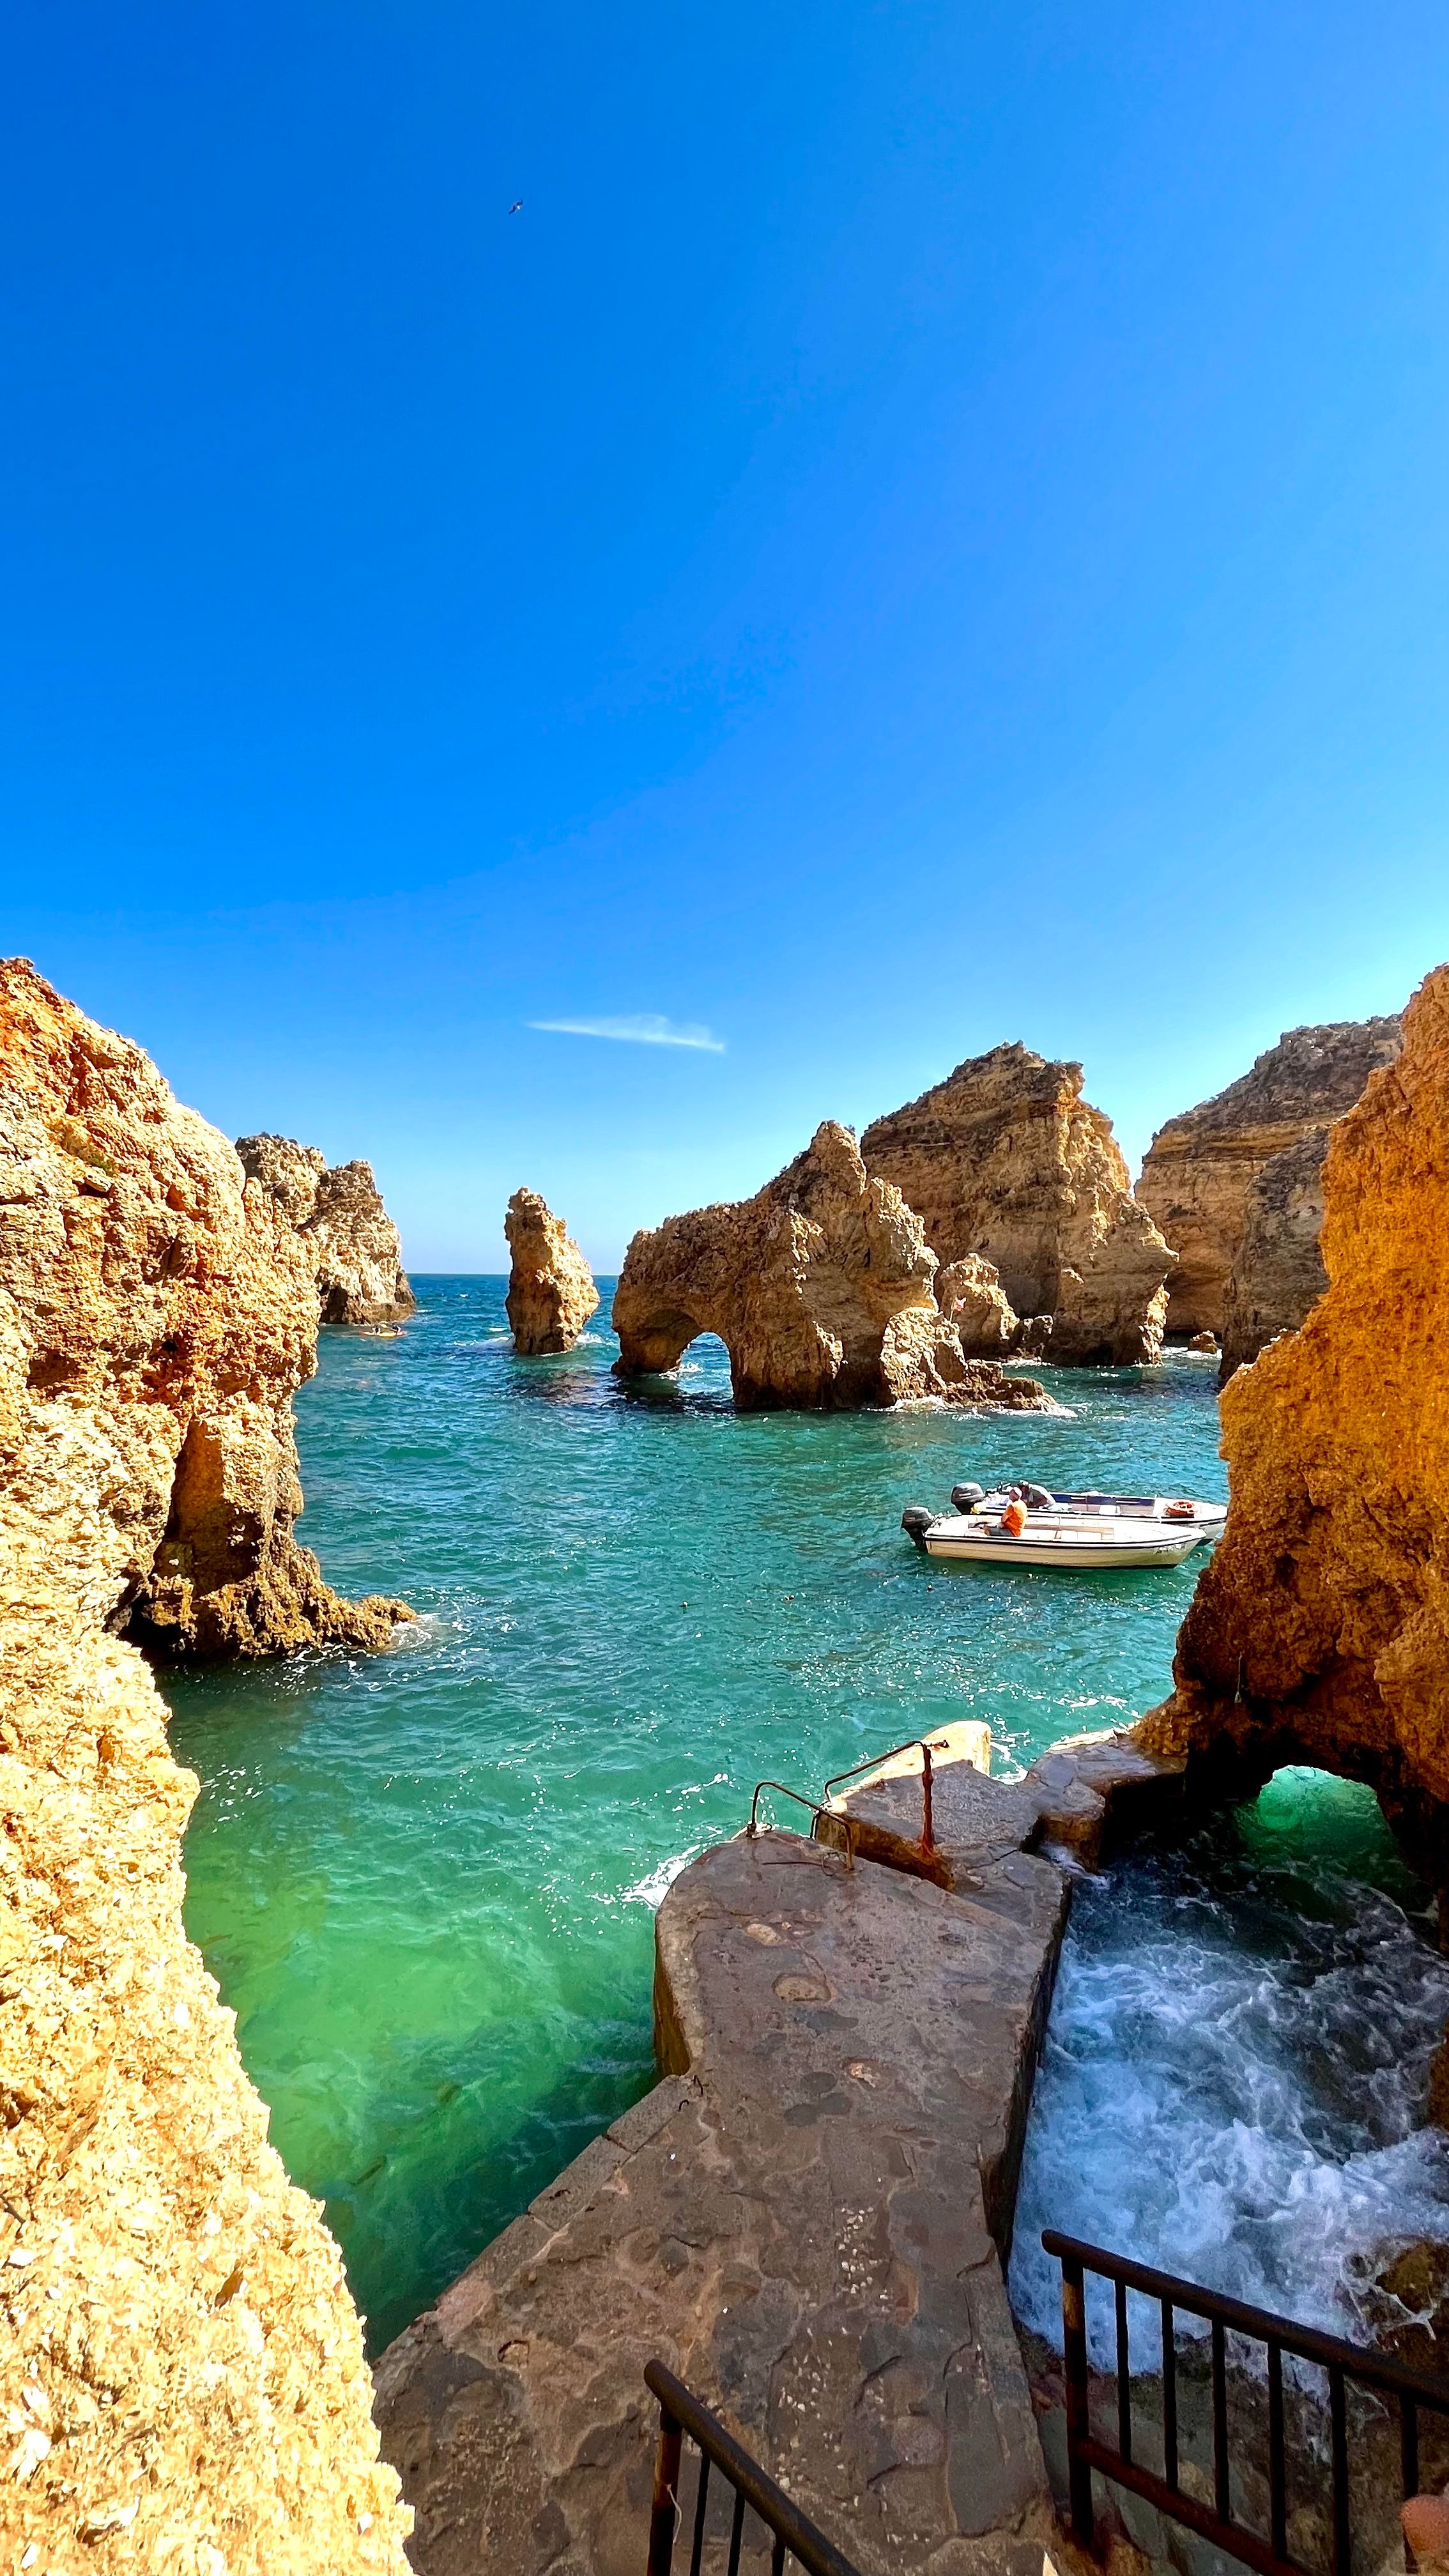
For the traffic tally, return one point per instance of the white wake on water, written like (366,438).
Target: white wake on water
(1233,2087)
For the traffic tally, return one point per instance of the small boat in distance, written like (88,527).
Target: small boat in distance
(1096,1532)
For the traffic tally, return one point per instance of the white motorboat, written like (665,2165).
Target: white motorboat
(1096,1533)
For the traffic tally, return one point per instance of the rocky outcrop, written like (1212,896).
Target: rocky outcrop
(970,1296)
(181,2367)
(1278,1274)
(820,1287)
(1320,1628)
(338,1212)
(1200,1172)
(551,1292)
(1004,1160)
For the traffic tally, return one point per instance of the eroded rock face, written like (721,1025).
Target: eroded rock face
(551,1292)
(1319,1631)
(1201,1169)
(820,1288)
(354,1246)
(180,2363)
(1004,1160)
(159,1295)
(1278,1274)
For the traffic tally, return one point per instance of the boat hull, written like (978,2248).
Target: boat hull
(1065,1552)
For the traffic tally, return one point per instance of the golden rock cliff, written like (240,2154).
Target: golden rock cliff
(551,1292)
(1201,1174)
(338,1212)
(1006,1161)
(820,1287)
(181,2369)
(1320,1629)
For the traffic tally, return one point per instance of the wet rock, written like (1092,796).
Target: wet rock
(1401,2292)
(551,1292)
(1201,1169)
(970,1295)
(820,1288)
(1206,1342)
(352,1242)
(1005,1162)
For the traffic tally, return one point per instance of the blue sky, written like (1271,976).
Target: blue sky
(928,527)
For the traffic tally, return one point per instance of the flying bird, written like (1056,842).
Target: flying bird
(517,206)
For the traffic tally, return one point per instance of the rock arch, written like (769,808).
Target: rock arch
(820,1288)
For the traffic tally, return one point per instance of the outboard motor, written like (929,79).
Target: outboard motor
(1038,1498)
(966,1497)
(915,1521)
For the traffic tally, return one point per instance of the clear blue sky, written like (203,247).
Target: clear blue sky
(928,527)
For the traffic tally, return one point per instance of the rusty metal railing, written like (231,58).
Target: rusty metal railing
(792,2533)
(1217,2522)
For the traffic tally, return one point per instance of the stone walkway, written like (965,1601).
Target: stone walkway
(806,2219)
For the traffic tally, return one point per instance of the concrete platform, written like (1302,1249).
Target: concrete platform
(795,2220)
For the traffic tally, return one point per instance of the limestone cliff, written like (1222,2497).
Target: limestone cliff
(819,1286)
(1201,1169)
(1320,1628)
(339,1214)
(551,1292)
(1278,1275)
(1004,1159)
(181,2368)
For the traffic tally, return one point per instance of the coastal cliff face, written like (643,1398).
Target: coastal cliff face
(1320,1628)
(819,1287)
(181,2368)
(1201,1170)
(551,1292)
(338,1212)
(1006,1161)
(1278,1274)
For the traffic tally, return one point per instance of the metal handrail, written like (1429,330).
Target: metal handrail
(877,1762)
(815,1809)
(1224,2316)
(795,2535)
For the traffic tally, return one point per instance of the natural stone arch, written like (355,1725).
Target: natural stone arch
(820,1288)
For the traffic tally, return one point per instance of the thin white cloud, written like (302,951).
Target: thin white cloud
(642,1028)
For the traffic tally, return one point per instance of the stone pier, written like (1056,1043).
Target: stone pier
(807,2218)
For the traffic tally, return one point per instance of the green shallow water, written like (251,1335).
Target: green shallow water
(425,1881)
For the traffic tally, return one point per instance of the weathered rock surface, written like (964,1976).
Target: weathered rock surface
(1319,1631)
(820,1288)
(795,2221)
(1278,1274)
(551,1292)
(181,2366)
(1200,1170)
(970,1295)
(1006,1161)
(338,1212)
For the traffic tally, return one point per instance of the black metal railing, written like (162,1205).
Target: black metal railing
(843,1827)
(792,2533)
(1217,2522)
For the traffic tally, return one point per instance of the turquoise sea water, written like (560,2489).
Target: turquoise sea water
(426,1880)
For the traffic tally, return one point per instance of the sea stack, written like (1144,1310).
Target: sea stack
(180,2363)
(338,1212)
(1004,1160)
(1200,1182)
(1319,1632)
(820,1287)
(551,1292)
